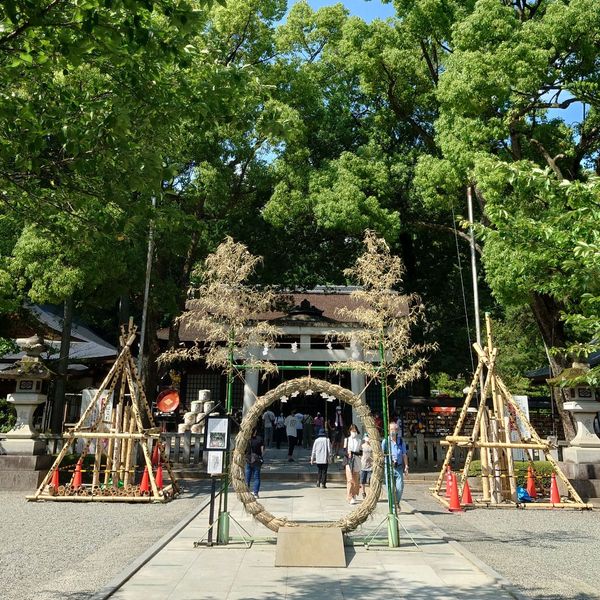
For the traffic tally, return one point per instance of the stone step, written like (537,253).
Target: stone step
(23,473)
(334,473)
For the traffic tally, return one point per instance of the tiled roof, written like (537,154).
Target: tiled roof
(323,299)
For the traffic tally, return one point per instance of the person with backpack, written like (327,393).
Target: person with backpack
(396,448)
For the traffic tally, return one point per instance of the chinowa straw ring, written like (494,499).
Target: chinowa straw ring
(350,521)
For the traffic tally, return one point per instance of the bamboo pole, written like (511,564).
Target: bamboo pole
(459,425)
(116,464)
(55,465)
(476,427)
(130,445)
(486,474)
(97,461)
(512,480)
(124,443)
(513,445)
(138,420)
(110,447)
(536,437)
(105,384)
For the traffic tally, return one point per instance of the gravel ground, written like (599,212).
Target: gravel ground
(52,551)
(548,555)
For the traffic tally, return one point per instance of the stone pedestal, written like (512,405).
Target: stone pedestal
(582,458)
(585,446)
(23,473)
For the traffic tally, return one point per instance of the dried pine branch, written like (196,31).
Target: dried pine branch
(224,310)
(386,316)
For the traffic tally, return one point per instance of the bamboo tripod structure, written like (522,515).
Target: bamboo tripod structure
(119,441)
(491,435)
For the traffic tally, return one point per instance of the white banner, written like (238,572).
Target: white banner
(523,404)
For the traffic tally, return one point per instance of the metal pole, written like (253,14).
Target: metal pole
(393,535)
(146,289)
(484,452)
(474,268)
(223,532)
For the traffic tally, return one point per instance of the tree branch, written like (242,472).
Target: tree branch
(447,229)
(27,24)
(551,161)
(432,70)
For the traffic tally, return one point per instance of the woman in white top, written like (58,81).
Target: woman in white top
(352,449)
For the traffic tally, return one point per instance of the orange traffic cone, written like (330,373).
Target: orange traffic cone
(77,479)
(531,483)
(554,495)
(454,501)
(55,482)
(156,454)
(467,499)
(159,477)
(448,481)
(145,484)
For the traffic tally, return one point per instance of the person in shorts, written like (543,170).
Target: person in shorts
(366,464)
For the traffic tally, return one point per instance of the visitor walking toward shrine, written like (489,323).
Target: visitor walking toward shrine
(268,423)
(353,464)
(337,426)
(279,430)
(254,461)
(366,462)
(321,455)
(396,448)
(308,433)
(291,428)
(299,428)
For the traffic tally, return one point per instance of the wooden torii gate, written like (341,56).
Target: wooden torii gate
(491,435)
(117,443)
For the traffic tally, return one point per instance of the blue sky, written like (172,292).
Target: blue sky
(367,10)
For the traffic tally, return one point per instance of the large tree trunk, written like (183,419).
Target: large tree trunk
(546,312)
(63,366)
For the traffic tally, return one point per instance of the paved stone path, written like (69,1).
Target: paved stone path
(426,566)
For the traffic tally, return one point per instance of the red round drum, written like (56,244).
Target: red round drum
(167,401)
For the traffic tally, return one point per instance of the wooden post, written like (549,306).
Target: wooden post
(110,448)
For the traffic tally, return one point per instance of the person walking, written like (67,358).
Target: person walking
(396,448)
(337,426)
(299,428)
(268,423)
(308,434)
(353,465)
(254,461)
(279,430)
(366,464)
(318,422)
(320,455)
(291,428)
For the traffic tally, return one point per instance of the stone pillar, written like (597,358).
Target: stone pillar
(357,382)
(250,388)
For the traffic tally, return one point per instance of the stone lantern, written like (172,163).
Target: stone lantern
(30,374)
(582,457)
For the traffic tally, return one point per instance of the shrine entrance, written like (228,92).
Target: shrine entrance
(252,419)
